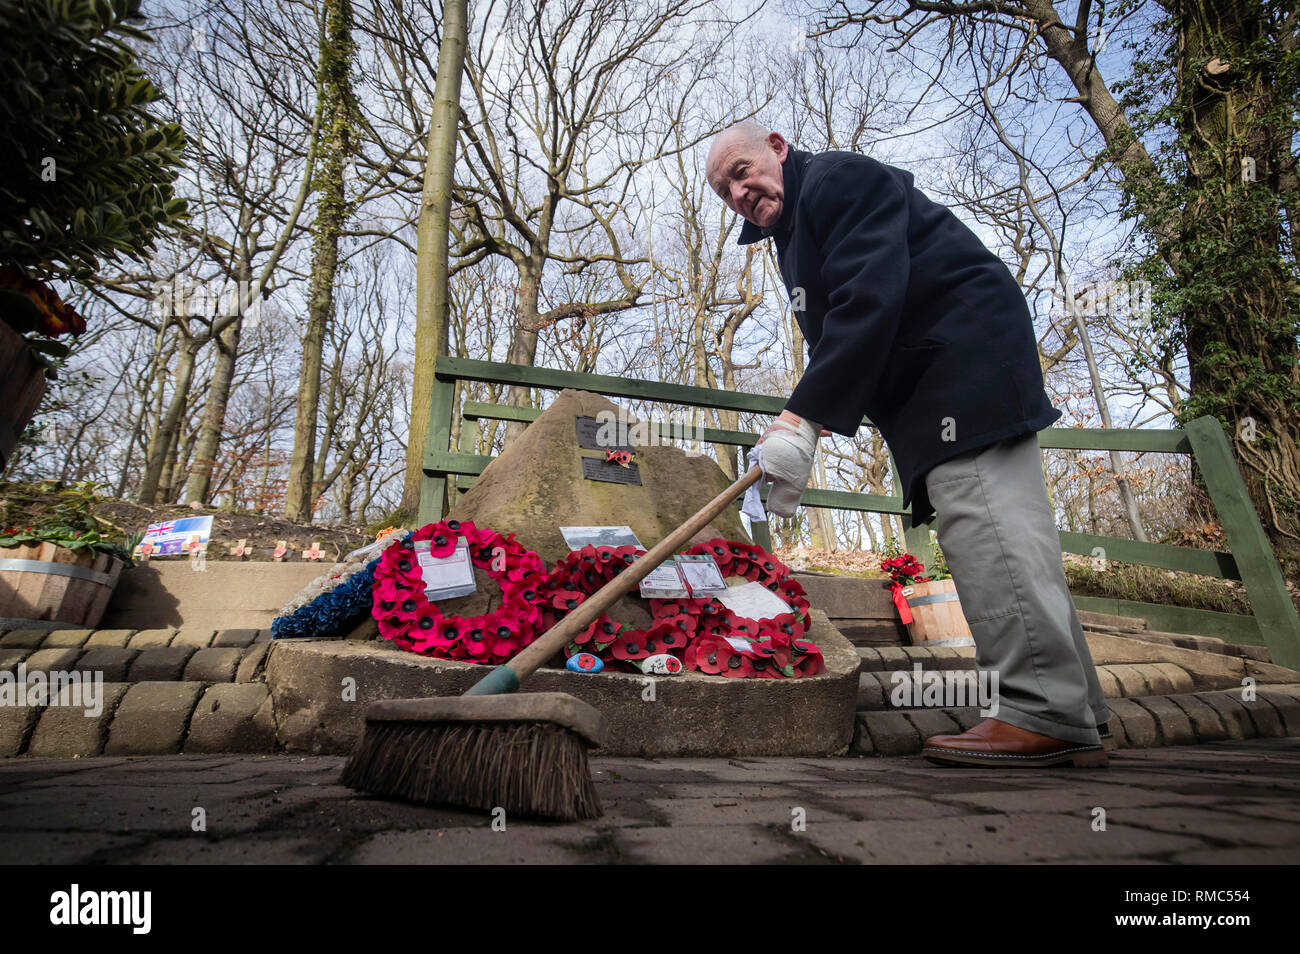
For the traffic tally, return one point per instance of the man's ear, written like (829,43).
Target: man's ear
(778,144)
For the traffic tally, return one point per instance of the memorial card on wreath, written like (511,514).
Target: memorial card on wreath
(445,577)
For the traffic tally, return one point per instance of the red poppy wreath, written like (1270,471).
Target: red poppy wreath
(703,633)
(411,621)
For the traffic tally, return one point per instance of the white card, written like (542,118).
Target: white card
(664,582)
(446,577)
(753,601)
(702,574)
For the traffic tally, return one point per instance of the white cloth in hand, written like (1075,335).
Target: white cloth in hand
(787,459)
(752,505)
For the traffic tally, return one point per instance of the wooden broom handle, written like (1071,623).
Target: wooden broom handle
(557,637)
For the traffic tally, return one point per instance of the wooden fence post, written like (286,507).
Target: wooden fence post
(433,492)
(1262,577)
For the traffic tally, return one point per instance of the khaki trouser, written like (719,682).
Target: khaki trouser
(999,536)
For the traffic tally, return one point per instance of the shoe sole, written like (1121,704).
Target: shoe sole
(1084,756)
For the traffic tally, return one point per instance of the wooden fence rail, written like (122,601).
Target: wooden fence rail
(1250,558)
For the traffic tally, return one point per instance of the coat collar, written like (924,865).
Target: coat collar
(792,175)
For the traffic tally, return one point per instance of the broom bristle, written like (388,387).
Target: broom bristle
(535,769)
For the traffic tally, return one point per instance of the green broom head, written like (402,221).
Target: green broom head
(525,753)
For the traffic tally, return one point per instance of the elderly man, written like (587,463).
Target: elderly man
(912,322)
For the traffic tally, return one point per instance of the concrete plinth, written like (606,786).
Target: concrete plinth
(320,690)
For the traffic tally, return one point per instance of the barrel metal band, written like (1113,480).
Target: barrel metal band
(932,598)
(56,569)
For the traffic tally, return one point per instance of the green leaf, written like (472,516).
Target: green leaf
(19,311)
(48,346)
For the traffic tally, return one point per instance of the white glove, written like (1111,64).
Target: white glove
(786,456)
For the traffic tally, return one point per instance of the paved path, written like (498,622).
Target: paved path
(1224,803)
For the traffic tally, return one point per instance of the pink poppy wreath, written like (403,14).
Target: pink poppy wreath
(703,633)
(411,621)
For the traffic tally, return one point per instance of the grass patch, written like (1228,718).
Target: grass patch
(839,571)
(1145,584)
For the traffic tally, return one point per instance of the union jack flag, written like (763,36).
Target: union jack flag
(158,529)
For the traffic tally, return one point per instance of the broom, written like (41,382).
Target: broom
(526,754)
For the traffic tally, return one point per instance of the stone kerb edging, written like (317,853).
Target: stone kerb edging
(144,718)
(1128,663)
(234,691)
(162,692)
(130,656)
(876,690)
(1143,722)
(312,696)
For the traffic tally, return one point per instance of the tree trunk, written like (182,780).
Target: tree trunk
(168,429)
(199,486)
(335,118)
(523,345)
(1241,347)
(345,494)
(171,466)
(433,237)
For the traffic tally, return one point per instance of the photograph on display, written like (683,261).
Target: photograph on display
(579,537)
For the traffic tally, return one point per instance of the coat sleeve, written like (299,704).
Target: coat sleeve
(861,224)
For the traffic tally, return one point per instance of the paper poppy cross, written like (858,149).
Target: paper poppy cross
(622,458)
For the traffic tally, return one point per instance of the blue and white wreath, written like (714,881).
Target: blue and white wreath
(334,604)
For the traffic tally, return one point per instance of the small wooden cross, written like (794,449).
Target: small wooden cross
(239,549)
(313,553)
(281,548)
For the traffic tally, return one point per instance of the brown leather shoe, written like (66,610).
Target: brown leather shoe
(994,742)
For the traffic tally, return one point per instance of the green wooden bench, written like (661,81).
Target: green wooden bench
(1274,624)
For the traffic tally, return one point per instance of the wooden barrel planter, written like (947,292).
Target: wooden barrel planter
(22,385)
(45,581)
(936,613)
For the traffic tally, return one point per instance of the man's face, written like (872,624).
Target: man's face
(748,176)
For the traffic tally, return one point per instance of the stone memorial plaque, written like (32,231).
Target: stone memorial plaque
(596,469)
(534,488)
(589,428)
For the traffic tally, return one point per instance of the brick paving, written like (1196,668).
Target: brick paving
(1223,803)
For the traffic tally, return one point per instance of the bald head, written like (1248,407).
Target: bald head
(744,168)
(747,132)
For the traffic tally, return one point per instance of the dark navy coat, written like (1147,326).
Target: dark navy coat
(909,319)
